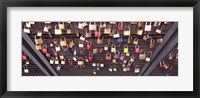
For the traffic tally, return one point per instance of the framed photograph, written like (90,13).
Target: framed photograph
(99,48)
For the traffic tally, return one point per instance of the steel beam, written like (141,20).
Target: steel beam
(168,47)
(35,60)
(38,53)
(156,52)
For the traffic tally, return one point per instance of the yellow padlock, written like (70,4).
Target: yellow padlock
(125,48)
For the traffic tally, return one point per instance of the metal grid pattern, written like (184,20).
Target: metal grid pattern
(172,70)
(98,58)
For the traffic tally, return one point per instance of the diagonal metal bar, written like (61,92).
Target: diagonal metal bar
(39,54)
(35,60)
(170,45)
(160,47)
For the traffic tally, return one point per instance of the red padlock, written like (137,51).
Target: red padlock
(24,57)
(71,63)
(98,33)
(44,49)
(90,57)
(120,26)
(55,53)
(137,49)
(89,45)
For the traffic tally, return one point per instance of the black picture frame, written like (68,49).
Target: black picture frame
(101,3)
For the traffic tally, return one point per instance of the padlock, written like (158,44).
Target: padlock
(113,48)
(62,62)
(106,47)
(132,59)
(24,57)
(123,65)
(152,43)
(107,30)
(115,34)
(82,37)
(26,30)
(39,33)
(125,48)
(80,45)
(137,49)
(51,61)
(88,34)
(63,41)
(122,57)
(86,59)
(139,24)
(57,47)
(136,41)
(120,39)
(142,55)
(69,31)
(157,24)
(124,69)
(95,50)
(46,28)
(27,62)
(80,61)
(90,57)
(128,54)
(98,33)
(170,56)
(108,56)
(57,31)
(74,52)
(117,54)
(89,45)
(137,69)
(147,26)
(28,24)
(114,60)
(55,53)
(80,25)
(26,70)
(115,69)
(56,60)
(125,61)
(148,57)
(129,39)
(100,40)
(120,26)
(82,51)
(102,65)
(110,69)
(71,44)
(139,31)
(159,39)
(127,32)
(92,26)
(38,40)
(159,30)
(61,56)
(48,54)
(75,58)
(58,67)
(71,63)
(44,49)
(61,25)
(146,37)
(129,64)
(94,64)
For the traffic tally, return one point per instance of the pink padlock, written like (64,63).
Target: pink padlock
(137,49)
(98,33)
(121,57)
